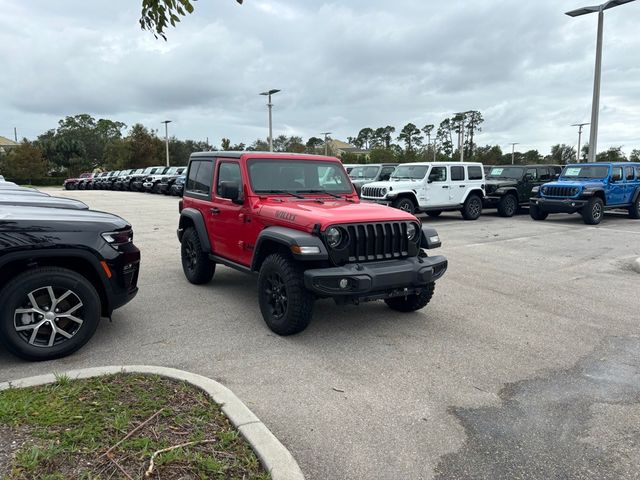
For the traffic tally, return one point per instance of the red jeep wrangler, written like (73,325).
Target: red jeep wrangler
(297,221)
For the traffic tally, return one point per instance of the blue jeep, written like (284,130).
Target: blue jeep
(589,188)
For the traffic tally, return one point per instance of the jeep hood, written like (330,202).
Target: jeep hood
(305,214)
(400,185)
(502,183)
(569,183)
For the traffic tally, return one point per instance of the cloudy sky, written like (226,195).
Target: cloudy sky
(341,66)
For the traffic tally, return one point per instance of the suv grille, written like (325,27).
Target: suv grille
(377,241)
(557,191)
(375,192)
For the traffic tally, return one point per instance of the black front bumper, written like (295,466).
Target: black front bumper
(163,188)
(372,280)
(560,205)
(122,285)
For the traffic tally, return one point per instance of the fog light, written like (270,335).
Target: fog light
(344,283)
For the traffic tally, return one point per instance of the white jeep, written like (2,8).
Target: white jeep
(432,188)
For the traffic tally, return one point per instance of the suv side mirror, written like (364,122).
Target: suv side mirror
(528,177)
(615,178)
(230,191)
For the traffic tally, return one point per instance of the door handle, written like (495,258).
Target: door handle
(462,186)
(445,186)
(214,211)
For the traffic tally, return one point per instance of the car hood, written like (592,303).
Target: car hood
(392,185)
(35,200)
(305,214)
(569,183)
(21,218)
(502,183)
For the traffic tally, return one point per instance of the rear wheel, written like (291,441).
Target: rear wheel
(405,204)
(196,264)
(413,302)
(48,313)
(593,211)
(508,206)
(537,213)
(634,209)
(472,207)
(434,213)
(285,303)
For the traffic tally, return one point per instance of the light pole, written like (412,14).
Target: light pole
(595,104)
(268,93)
(579,125)
(166,137)
(326,139)
(513,152)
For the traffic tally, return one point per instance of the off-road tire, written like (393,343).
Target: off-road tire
(297,312)
(196,264)
(413,302)
(472,208)
(404,204)
(508,205)
(434,213)
(634,209)
(13,296)
(536,213)
(593,211)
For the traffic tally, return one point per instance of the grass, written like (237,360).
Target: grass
(63,430)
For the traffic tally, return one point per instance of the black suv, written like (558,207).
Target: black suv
(378,172)
(61,269)
(508,187)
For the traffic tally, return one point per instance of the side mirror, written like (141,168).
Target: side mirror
(556,176)
(230,191)
(528,177)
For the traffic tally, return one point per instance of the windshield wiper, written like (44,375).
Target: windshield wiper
(321,190)
(287,192)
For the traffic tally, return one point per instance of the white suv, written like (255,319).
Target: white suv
(432,188)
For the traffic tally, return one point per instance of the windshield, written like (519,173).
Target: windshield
(506,172)
(585,171)
(413,172)
(364,173)
(278,175)
(148,170)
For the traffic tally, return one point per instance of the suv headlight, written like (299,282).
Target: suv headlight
(117,239)
(383,192)
(334,236)
(412,231)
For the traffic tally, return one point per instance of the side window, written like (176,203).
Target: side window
(532,173)
(543,174)
(457,173)
(438,174)
(616,174)
(386,173)
(638,173)
(200,177)
(474,173)
(628,173)
(228,172)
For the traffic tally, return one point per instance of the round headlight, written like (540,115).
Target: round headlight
(412,231)
(334,237)
(383,192)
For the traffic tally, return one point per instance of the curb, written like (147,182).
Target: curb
(635,265)
(274,456)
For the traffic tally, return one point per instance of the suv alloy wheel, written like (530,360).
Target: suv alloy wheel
(196,264)
(508,205)
(48,313)
(405,204)
(472,207)
(634,209)
(593,211)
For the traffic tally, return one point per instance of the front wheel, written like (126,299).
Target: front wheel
(285,303)
(405,204)
(472,208)
(507,206)
(634,209)
(537,213)
(196,264)
(48,313)
(413,302)
(593,211)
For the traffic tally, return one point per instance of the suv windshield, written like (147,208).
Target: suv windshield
(364,173)
(282,176)
(413,172)
(585,171)
(506,172)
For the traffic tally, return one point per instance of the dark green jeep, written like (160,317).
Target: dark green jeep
(509,186)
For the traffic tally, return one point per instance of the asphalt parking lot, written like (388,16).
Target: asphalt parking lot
(526,364)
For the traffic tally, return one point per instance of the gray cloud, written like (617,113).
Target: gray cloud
(341,66)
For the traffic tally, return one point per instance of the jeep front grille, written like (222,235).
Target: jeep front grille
(559,191)
(377,241)
(373,192)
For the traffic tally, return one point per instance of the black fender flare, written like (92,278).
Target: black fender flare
(636,195)
(192,215)
(427,238)
(288,237)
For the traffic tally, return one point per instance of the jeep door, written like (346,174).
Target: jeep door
(229,219)
(197,190)
(616,191)
(457,185)
(437,187)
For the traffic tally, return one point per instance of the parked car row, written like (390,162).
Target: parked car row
(62,268)
(432,188)
(156,179)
